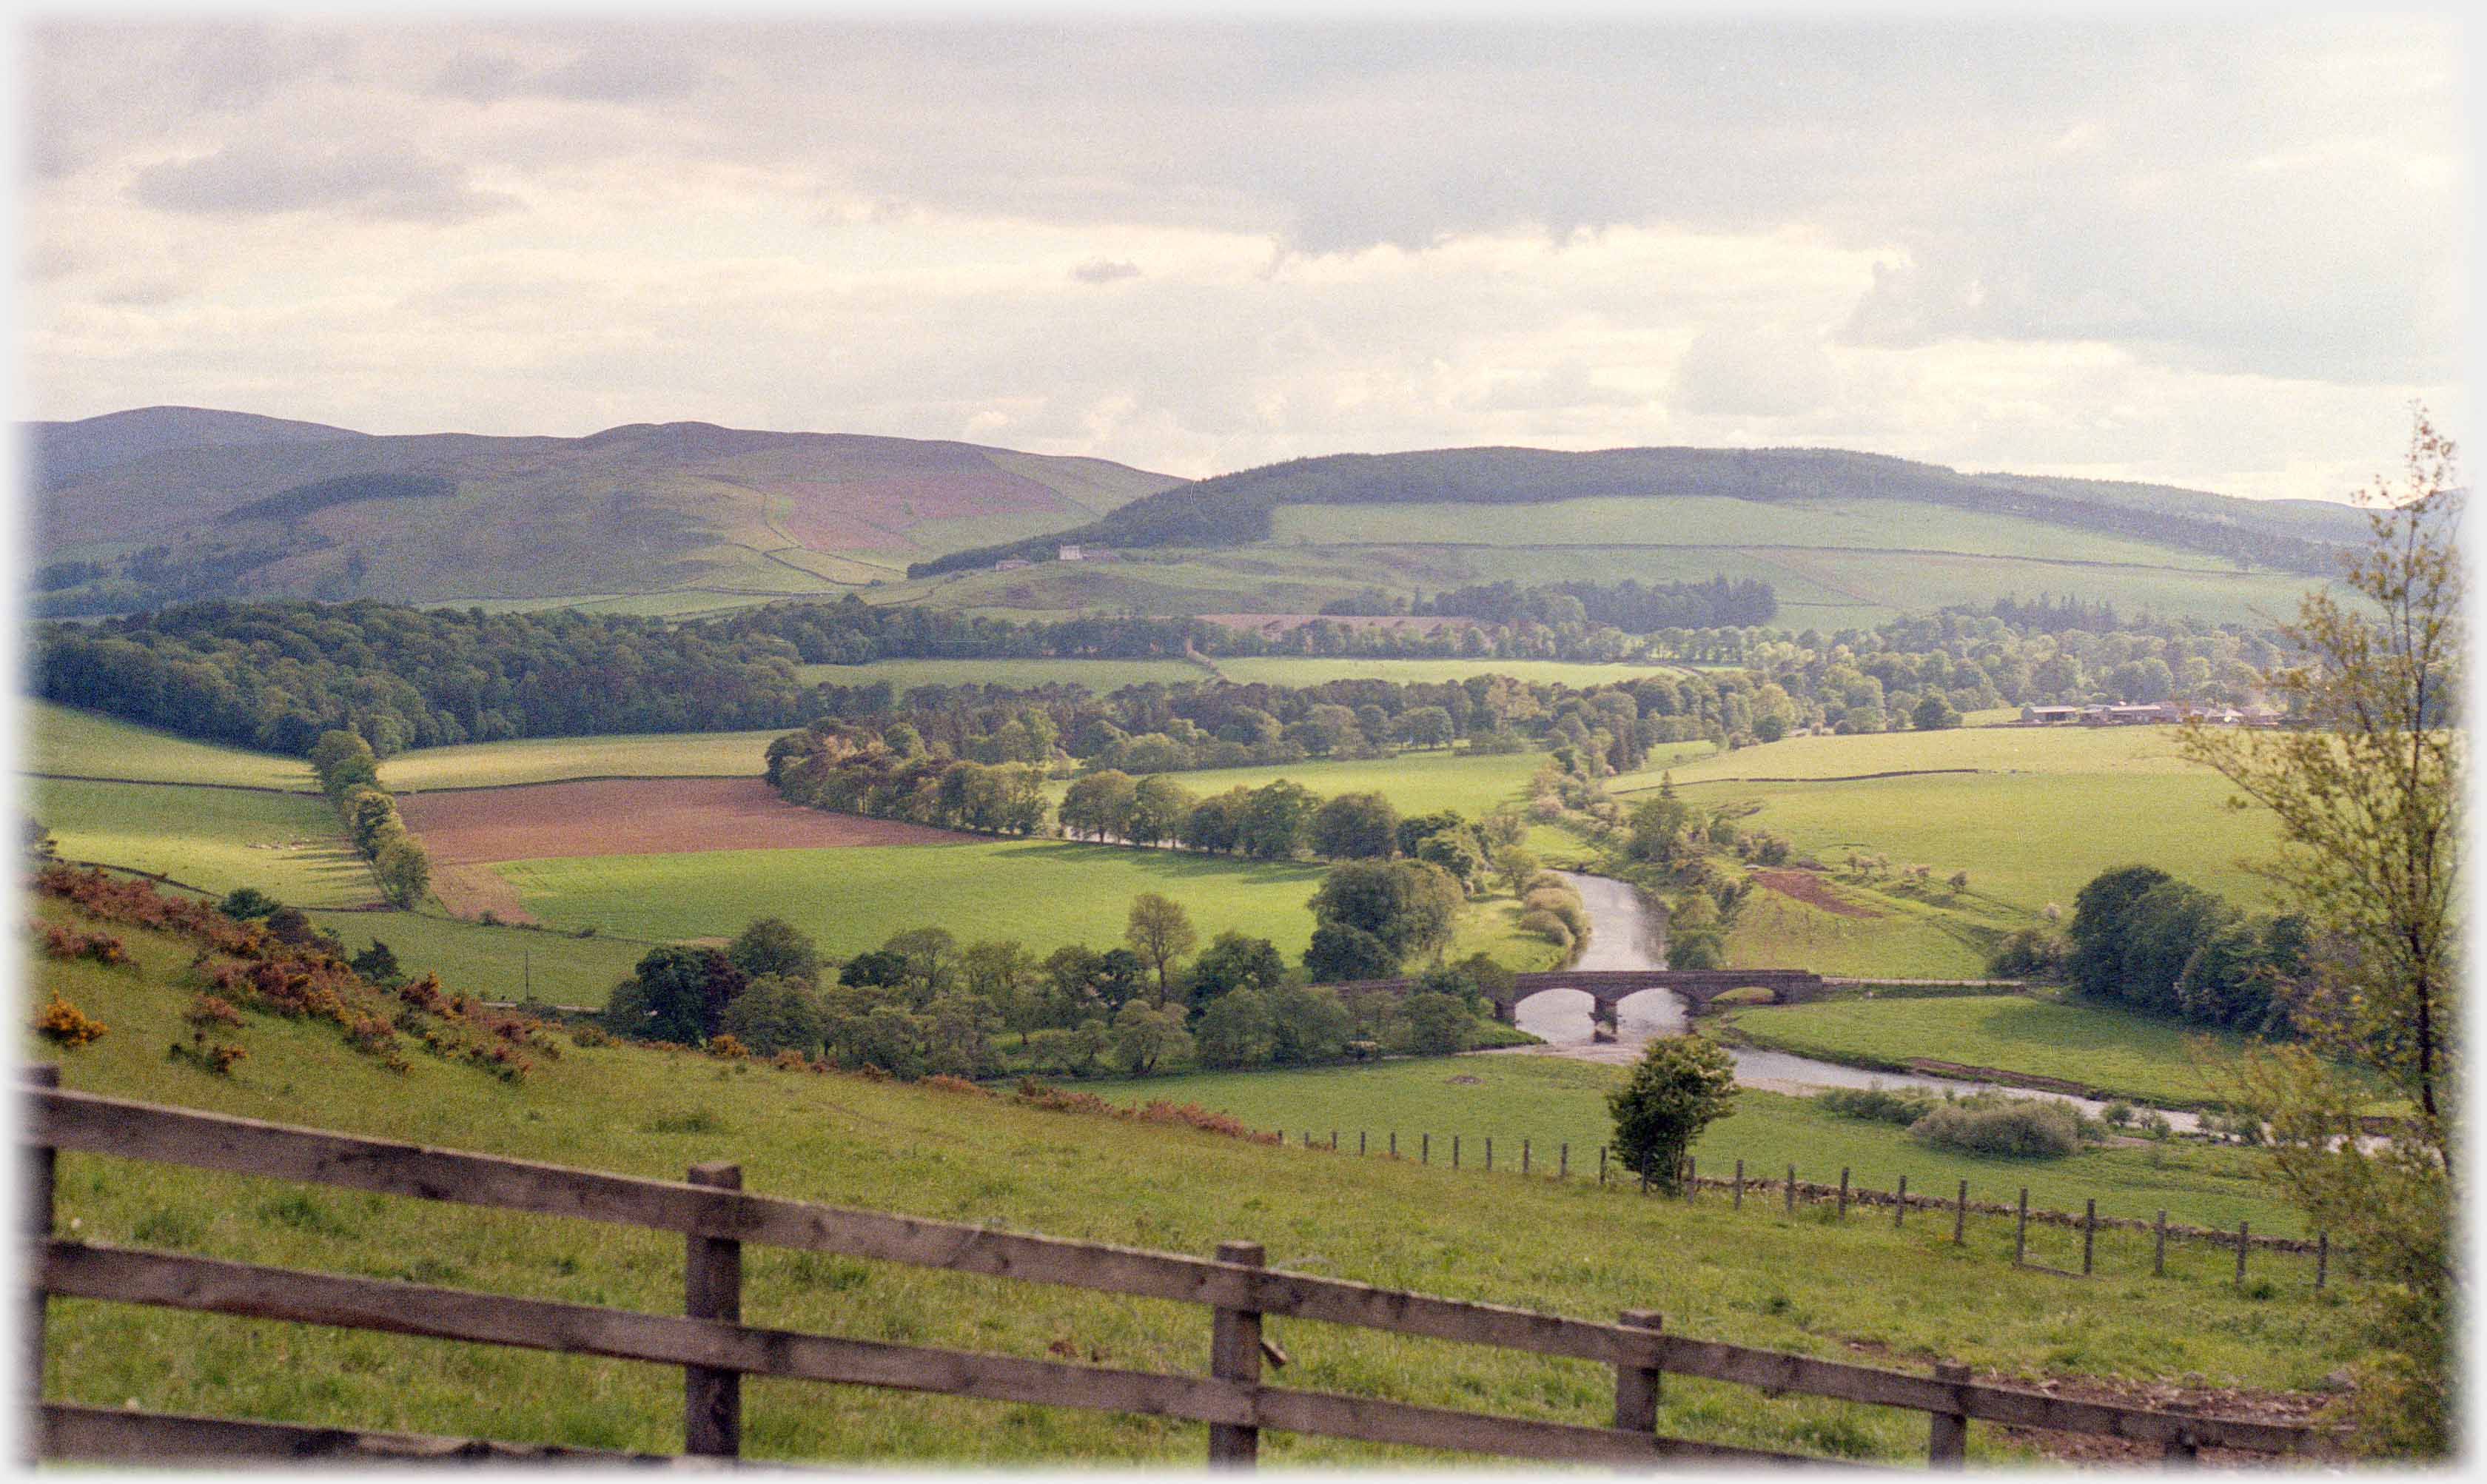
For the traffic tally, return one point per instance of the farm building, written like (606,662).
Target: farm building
(1069,554)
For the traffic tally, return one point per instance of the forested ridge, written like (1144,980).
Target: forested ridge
(1236,509)
(277,675)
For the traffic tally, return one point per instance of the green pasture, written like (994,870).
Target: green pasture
(1045,893)
(1100,676)
(64,739)
(1281,671)
(1697,520)
(1550,1100)
(551,759)
(493,962)
(1910,937)
(2118,1051)
(1750,1278)
(1420,782)
(2025,839)
(288,846)
(2014,749)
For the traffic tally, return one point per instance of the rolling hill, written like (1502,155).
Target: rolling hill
(1843,538)
(137,509)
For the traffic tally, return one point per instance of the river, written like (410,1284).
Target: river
(1622,936)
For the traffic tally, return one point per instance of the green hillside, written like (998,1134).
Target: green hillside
(439,518)
(1752,1278)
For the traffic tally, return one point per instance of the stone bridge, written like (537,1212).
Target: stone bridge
(1609,987)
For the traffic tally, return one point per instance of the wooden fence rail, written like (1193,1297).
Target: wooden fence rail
(715,1348)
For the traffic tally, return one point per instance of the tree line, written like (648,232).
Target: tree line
(923,1004)
(348,773)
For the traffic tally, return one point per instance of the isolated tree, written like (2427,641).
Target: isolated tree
(246,903)
(2366,799)
(1680,1086)
(378,964)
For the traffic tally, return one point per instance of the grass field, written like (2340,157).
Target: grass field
(1311,671)
(1044,892)
(1909,938)
(1100,676)
(2089,750)
(2116,1051)
(551,759)
(493,962)
(1750,1278)
(62,740)
(1414,782)
(215,839)
(1550,1100)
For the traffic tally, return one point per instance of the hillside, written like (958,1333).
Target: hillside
(1843,538)
(136,510)
(1855,1292)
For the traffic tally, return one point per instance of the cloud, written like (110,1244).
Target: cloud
(1101,271)
(384,181)
(624,64)
(1753,371)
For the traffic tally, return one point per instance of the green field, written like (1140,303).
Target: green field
(1751,1277)
(215,839)
(1414,783)
(1550,1100)
(2115,1051)
(1100,676)
(2016,749)
(551,759)
(1314,671)
(488,961)
(1043,892)
(62,740)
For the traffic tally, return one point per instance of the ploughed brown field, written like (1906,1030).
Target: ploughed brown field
(635,817)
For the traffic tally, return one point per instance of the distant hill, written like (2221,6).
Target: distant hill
(62,453)
(1240,508)
(136,510)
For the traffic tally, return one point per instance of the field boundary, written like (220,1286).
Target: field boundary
(538,783)
(177,783)
(716,1350)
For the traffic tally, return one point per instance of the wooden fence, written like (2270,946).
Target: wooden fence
(716,1350)
(1479,1155)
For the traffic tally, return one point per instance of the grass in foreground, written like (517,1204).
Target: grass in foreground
(1750,1278)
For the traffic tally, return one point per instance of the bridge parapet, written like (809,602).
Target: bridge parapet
(1609,987)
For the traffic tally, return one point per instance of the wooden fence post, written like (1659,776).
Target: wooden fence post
(1360,1143)
(1394,1143)
(2181,1451)
(2089,1233)
(1455,1151)
(1959,1217)
(1948,1432)
(1900,1203)
(1425,1150)
(2159,1246)
(1790,1188)
(2322,1257)
(2242,1243)
(2020,1231)
(1602,1165)
(1843,1192)
(42,1168)
(1740,1185)
(1523,1157)
(1636,1386)
(1563,1170)
(1235,1354)
(712,1289)
(1333,1142)
(1489,1154)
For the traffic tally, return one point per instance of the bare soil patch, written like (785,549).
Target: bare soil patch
(635,816)
(1808,888)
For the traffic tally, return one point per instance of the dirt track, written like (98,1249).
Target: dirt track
(635,817)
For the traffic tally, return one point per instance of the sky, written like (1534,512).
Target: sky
(2227,254)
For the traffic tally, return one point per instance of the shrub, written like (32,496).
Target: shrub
(1548,926)
(1877,1104)
(1990,1123)
(2118,1112)
(589,1036)
(724,1045)
(66,1024)
(943,1081)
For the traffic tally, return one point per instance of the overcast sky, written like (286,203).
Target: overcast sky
(2226,255)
